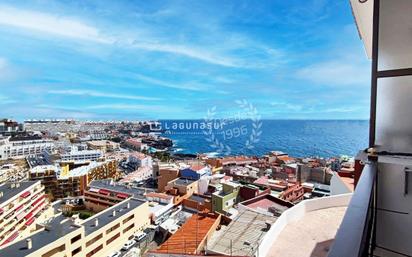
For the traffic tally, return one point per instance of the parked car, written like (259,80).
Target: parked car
(139,236)
(128,245)
(114,254)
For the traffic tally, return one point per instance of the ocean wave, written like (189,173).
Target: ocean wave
(212,154)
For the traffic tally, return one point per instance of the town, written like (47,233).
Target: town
(77,188)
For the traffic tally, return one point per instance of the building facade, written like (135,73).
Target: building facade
(22,205)
(98,235)
(84,155)
(61,182)
(16,148)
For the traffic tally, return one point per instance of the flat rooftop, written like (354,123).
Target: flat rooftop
(242,236)
(314,232)
(9,192)
(61,225)
(106,216)
(138,193)
(57,228)
(184,181)
(267,202)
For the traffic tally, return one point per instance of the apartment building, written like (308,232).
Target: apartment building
(181,188)
(98,235)
(223,200)
(167,173)
(103,145)
(105,193)
(140,159)
(10,126)
(84,155)
(22,205)
(21,147)
(60,181)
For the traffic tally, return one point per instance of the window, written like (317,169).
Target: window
(91,253)
(54,251)
(76,251)
(128,228)
(128,218)
(113,238)
(88,243)
(112,228)
(76,238)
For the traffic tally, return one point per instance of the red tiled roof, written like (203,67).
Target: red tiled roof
(188,238)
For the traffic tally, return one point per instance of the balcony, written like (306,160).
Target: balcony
(313,223)
(378,220)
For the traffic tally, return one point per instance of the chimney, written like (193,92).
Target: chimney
(29,243)
(12,185)
(128,205)
(1,194)
(96,222)
(18,185)
(114,213)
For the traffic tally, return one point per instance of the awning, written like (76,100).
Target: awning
(1,210)
(38,200)
(95,190)
(25,194)
(19,208)
(30,221)
(38,206)
(29,215)
(11,238)
(104,192)
(123,196)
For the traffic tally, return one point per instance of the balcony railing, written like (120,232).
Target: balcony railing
(355,236)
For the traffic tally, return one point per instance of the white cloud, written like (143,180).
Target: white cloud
(343,72)
(80,92)
(285,107)
(191,52)
(136,107)
(5,70)
(50,24)
(185,86)
(73,28)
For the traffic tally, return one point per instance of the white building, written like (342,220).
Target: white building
(16,148)
(85,155)
(142,160)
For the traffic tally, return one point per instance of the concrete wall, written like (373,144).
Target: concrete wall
(297,212)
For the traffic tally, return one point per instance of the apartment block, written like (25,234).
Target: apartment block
(103,145)
(60,181)
(98,235)
(84,155)
(21,206)
(102,194)
(21,147)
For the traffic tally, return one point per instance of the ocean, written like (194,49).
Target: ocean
(298,138)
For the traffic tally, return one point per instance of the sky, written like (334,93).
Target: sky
(177,59)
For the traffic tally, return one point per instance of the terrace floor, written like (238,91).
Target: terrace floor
(310,236)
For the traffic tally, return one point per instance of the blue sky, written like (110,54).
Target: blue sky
(176,59)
